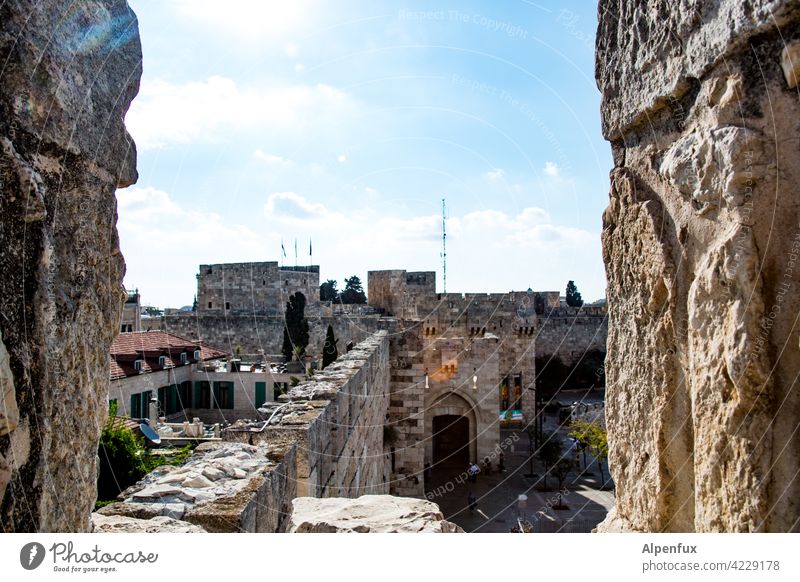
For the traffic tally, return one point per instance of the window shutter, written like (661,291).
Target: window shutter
(215,396)
(261,393)
(198,394)
(231,386)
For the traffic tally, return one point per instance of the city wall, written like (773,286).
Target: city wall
(337,421)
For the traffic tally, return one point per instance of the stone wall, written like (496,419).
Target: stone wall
(569,333)
(337,421)
(257,334)
(261,288)
(701,240)
(222,488)
(63,153)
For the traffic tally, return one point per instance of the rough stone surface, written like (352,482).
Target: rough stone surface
(70,71)
(251,492)
(368,514)
(121,524)
(336,419)
(701,241)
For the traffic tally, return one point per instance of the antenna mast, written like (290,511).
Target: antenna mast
(444,247)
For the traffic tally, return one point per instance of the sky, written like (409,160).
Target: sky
(342,126)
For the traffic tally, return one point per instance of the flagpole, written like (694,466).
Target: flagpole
(295,252)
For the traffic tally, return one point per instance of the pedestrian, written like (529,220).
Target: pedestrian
(426,471)
(487,466)
(472,501)
(473,471)
(501,464)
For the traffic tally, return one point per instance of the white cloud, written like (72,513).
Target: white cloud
(293,206)
(164,113)
(551,169)
(496,174)
(270,159)
(341,158)
(252,21)
(163,243)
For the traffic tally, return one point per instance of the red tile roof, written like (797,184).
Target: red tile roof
(149,346)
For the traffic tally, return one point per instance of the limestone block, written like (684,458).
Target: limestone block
(368,514)
(122,524)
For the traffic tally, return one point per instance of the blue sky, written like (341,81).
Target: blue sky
(347,122)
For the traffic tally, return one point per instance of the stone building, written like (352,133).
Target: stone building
(188,379)
(262,288)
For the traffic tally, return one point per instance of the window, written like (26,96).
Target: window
(162,361)
(261,394)
(223,394)
(184,357)
(202,395)
(210,305)
(113,405)
(227,305)
(185,396)
(136,406)
(137,365)
(197,355)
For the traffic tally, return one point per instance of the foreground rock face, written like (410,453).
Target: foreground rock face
(701,241)
(70,71)
(223,487)
(368,514)
(121,524)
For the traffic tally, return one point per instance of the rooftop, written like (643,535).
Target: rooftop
(149,346)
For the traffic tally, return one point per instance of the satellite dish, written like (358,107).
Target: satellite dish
(150,434)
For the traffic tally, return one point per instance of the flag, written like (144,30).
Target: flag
(283,249)
(309,247)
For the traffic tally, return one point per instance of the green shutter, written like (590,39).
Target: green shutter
(134,410)
(145,405)
(261,393)
(173,398)
(231,386)
(198,394)
(215,396)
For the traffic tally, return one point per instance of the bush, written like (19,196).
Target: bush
(124,459)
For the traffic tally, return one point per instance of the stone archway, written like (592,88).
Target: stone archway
(451,425)
(450,442)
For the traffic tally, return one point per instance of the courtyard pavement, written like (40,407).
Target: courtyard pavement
(497,495)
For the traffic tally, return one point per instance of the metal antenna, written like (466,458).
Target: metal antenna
(444,248)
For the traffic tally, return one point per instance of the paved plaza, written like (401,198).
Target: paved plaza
(497,495)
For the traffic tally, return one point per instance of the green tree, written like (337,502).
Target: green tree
(593,437)
(124,459)
(295,329)
(152,311)
(194,304)
(573,297)
(328,291)
(550,452)
(353,291)
(329,352)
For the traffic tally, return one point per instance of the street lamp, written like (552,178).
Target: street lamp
(474,379)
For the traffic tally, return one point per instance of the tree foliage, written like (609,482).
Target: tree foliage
(330,352)
(573,297)
(124,459)
(328,291)
(353,291)
(295,329)
(550,452)
(594,437)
